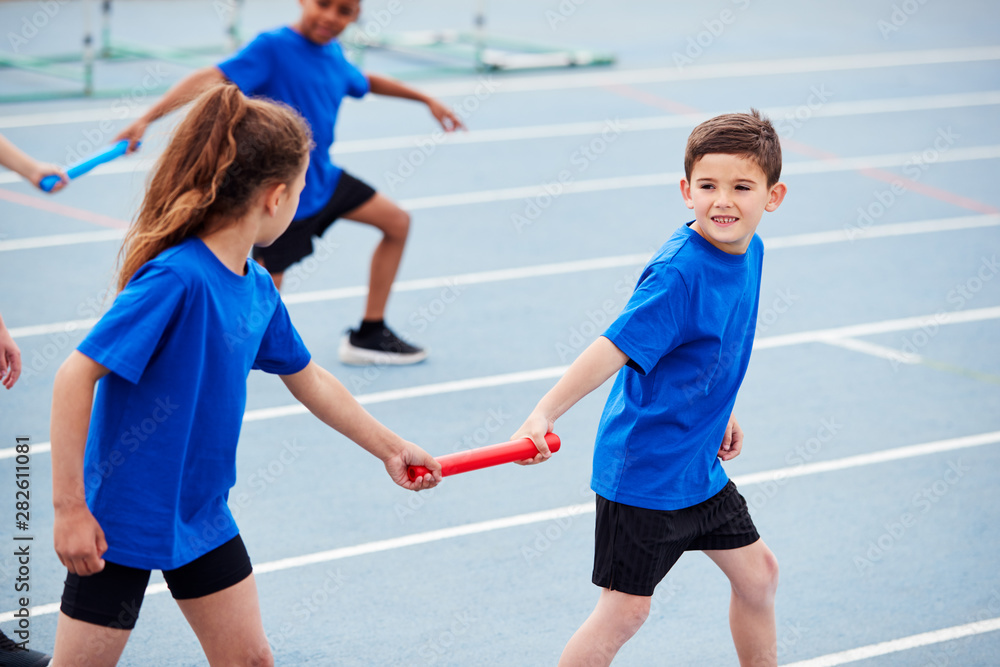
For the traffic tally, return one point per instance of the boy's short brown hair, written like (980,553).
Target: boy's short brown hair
(747,135)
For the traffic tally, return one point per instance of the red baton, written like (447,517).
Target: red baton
(484,457)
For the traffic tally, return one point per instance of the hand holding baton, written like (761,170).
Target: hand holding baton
(484,457)
(82,168)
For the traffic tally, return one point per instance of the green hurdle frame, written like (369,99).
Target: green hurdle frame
(458,51)
(447,52)
(78,67)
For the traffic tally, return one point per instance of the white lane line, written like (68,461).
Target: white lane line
(427,537)
(884,231)
(598,263)
(414,392)
(818,336)
(144,163)
(67,327)
(874,350)
(654,123)
(89,115)
(555,189)
(598,79)
(902,644)
(134,164)
(478,278)
(928,322)
(54,240)
(871,458)
(815,238)
(580,128)
(797,168)
(594,79)
(888,160)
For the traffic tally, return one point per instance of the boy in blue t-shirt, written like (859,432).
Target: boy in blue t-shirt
(684,339)
(304,66)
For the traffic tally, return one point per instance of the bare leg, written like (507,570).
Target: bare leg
(228,626)
(81,644)
(753,574)
(394,223)
(615,619)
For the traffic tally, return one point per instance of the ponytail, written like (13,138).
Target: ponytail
(224,151)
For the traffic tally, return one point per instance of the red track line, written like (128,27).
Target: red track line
(62,209)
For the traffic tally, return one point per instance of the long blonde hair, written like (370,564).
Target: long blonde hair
(224,151)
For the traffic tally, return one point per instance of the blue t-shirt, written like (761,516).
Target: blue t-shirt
(311,78)
(688,331)
(179,340)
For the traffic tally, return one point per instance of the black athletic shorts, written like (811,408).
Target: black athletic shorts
(296,242)
(634,548)
(112,597)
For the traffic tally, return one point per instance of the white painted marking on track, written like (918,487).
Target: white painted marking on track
(929,322)
(560,268)
(54,240)
(902,644)
(727,70)
(605,78)
(556,189)
(479,527)
(68,327)
(880,351)
(795,240)
(818,336)
(658,123)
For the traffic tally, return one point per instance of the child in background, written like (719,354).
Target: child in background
(304,66)
(680,349)
(192,318)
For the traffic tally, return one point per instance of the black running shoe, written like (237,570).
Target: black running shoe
(14,655)
(378,348)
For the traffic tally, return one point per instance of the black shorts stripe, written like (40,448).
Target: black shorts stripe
(634,547)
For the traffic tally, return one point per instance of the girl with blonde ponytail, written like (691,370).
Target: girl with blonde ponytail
(142,472)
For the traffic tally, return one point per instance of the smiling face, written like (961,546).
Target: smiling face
(323,20)
(729,194)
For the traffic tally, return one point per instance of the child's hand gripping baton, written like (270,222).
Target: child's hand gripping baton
(81,168)
(484,457)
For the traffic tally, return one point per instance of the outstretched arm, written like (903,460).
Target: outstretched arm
(180,93)
(79,540)
(592,368)
(329,400)
(381,85)
(28,167)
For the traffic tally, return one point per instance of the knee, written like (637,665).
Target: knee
(399,226)
(261,657)
(759,589)
(636,616)
(630,616)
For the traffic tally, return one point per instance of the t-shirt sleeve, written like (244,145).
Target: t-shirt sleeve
(251,67)
(357,83)
(281,351)
(129,334)
(653,321)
